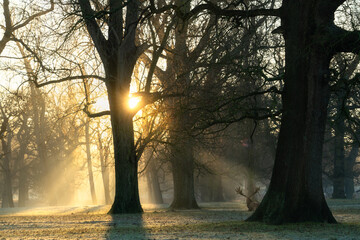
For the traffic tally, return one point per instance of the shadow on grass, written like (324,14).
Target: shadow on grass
(219,224)
(126,226)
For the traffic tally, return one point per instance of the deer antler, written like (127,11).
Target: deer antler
(255,192)
(250,203)
(238,190)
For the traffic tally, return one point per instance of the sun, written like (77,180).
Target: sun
(133,102)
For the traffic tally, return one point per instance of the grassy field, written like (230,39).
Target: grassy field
(213,221)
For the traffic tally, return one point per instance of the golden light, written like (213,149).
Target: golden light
(133,102)
(101,104)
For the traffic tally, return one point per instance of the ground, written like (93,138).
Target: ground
(213,221)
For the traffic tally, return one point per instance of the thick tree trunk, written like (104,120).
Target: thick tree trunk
(295,193)
(126,167)
(89,162)
(183,175)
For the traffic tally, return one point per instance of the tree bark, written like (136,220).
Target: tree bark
(126,167)
(295,193)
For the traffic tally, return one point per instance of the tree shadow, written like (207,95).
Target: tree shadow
(126,226)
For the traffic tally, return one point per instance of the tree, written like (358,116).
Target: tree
(118,53)
(182,52)
(342,97)
(311,40)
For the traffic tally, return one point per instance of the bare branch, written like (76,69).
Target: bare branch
(8,26)
(36,15)
(38,85)
(233,13)
(94,29)
(95,115)
(213,8)
(156,56)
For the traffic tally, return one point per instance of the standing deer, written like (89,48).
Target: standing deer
(251,204)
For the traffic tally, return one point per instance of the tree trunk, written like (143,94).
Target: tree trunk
(216,193)
(339,158)
(89,162)
(183,175)
(23,178)
(349,172)
(7,194)
(126,167)
(295,193)
(104,170)
(250,184)
(40,126)
(155,195)
(23,137)
(119,54)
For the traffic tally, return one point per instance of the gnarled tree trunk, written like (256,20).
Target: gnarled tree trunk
(295,193)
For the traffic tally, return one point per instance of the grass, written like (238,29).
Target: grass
(214,221)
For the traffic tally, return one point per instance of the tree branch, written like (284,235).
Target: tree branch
(194,55)
(38,85)
(233,13)
(213,8)
(36,15)
(342,40)
(95,115)
(94,29)
(156,56)
(8,26)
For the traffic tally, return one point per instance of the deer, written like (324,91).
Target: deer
(251,204)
